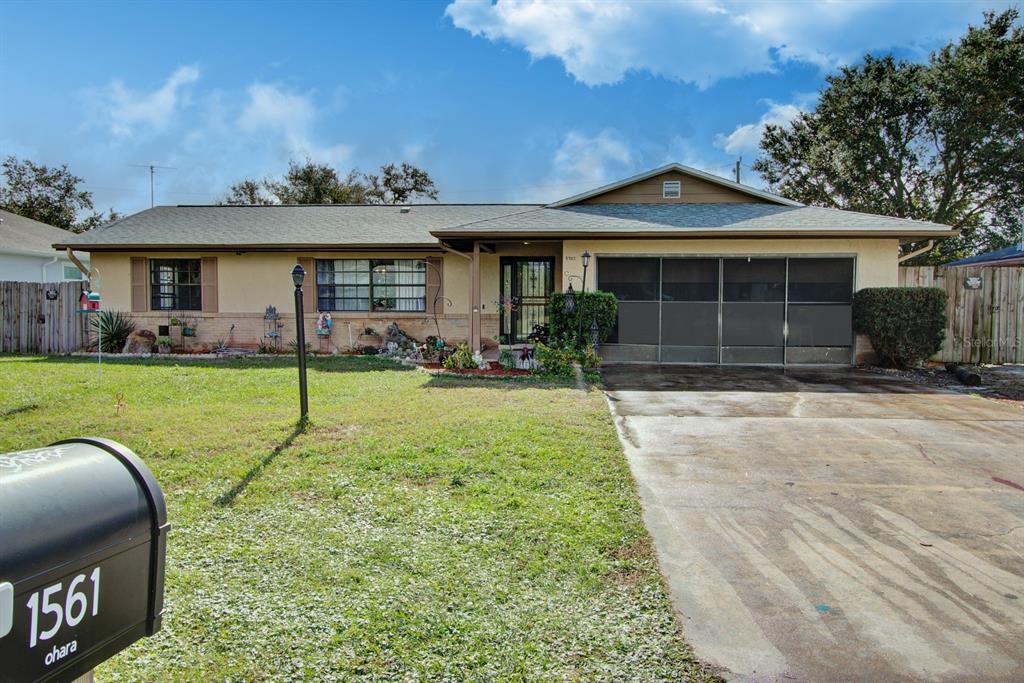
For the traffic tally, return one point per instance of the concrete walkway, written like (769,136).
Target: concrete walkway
(824,526)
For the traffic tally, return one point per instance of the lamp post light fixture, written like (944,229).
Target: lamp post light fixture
(570,300)
(595,333)
(298,275)
(585,258)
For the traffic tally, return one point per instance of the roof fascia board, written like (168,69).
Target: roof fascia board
(687,170)
(717,232)
(425,247)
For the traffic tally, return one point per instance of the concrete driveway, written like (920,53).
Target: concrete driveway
(842,525)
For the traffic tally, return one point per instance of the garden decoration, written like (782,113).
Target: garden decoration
(89,302)
(323,331)
(188,328)
(324,324)
(119,404)
(298,275)
(398,343)
(273,325)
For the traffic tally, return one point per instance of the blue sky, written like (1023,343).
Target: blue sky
(514,101)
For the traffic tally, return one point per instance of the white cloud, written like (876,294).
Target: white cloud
(701,41)
(592,160)
(292,117)
(581,162)
(747,137)
(123,109)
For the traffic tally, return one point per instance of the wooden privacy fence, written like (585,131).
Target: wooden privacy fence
(986,324)
(34,321)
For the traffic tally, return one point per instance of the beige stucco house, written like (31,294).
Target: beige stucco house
(706,270)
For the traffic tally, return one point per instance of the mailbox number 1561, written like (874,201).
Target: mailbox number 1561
(71,609)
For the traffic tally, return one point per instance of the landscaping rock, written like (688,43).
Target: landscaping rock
(140,341)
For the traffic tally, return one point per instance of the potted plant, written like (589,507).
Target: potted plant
(369,337)
(163,345)
(188,328)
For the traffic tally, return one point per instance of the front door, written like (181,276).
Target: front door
(526,284)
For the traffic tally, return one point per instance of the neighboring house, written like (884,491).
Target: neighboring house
(1010,256)
(706,270)
(26,251)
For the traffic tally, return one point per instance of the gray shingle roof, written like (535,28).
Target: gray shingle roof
(421,225)
(338,224)
(24,235)
(685,219)
(1012,254)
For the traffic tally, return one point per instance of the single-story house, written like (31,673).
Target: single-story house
(706,270)
(1007,256)
(26,251)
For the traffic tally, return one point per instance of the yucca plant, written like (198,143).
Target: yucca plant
(112,328)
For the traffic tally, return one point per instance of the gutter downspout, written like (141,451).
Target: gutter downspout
(43,267)
(445,247)
(917,252)
(90,273)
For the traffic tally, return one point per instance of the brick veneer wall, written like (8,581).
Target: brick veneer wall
(249,328)
(863,351)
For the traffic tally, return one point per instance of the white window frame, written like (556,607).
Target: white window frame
(677,191)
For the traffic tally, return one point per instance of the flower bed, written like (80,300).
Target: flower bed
(493,370)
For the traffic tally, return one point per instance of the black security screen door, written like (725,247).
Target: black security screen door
(526,284)
(756,310)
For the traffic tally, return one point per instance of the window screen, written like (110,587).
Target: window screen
(174,285)
(754,280)
(371,284)
(689,279)
(629,279)
(820,280)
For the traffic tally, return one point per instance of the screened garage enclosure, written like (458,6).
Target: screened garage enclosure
(730,310)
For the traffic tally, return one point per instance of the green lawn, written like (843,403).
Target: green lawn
(419,528)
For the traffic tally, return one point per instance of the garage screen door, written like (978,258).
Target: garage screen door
(730,310)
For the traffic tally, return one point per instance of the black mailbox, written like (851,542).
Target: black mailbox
(83,530)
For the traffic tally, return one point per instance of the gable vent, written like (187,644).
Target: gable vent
(671,189)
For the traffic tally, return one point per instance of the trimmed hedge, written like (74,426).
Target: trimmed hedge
(906,325)
(565,327)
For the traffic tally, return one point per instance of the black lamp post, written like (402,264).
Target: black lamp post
(585,257)
(298,275)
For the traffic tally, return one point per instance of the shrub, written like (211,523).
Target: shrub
(572,328)
(506,359)
(589,358)
(906,325)
(368,350)
(460,359)
(555,361)
(111,328)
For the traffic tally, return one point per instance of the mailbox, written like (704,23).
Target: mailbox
(83,530)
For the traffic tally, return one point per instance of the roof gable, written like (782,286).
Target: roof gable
(20,234)
(697,187)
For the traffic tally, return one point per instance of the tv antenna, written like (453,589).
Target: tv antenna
(152,174)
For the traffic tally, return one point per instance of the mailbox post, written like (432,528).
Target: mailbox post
(83,530)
